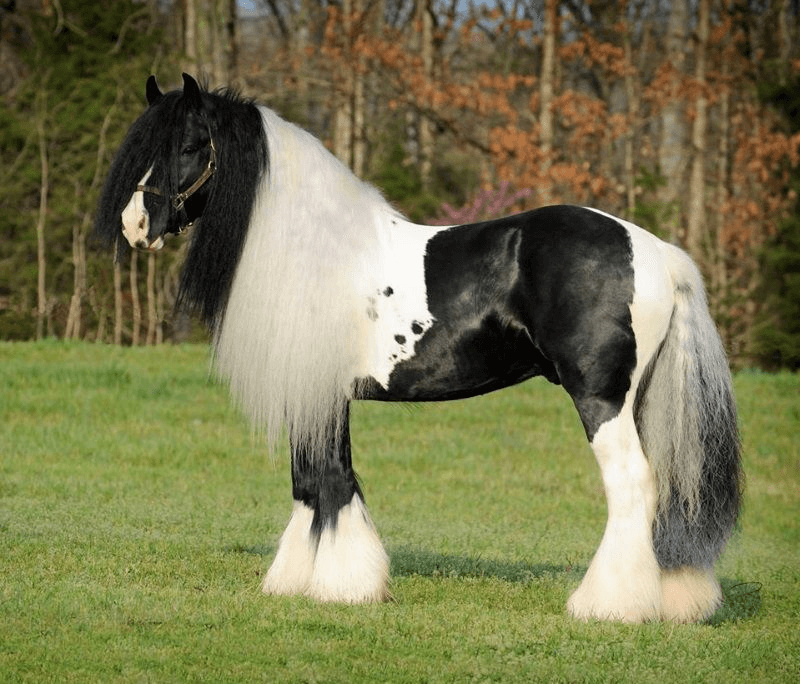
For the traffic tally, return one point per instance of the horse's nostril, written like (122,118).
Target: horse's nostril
(141,244)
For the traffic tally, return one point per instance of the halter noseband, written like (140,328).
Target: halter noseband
(180,198)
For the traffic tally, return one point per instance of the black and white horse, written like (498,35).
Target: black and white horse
(319,293)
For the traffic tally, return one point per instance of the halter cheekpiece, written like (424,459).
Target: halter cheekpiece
(180,198)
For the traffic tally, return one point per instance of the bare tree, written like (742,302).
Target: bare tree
(671,158)
(697,185)
(209,38)
(44,191)
(632,102)
(137,309)
(343,79)
(424,18)
(547,89)
(117,302)
(81,230)
(152,307)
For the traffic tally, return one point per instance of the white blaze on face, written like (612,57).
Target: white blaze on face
(136,220)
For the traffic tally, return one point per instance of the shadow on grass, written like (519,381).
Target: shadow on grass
(412,561)
(263,550)
(741,601)
(407,561)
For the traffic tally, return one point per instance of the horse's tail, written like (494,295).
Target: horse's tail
(686,418)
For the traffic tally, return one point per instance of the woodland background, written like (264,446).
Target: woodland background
(681,115)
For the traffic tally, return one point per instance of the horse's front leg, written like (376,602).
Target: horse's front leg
(330,550)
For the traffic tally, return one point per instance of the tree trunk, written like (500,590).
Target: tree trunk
(633,115)
(137,309)
(190,33)
(101,325)
(152,318)
(299,46)
(215,30)
(424,125)
(546,91)
(73,328)
(160,310)
(209,38)
(117,301)
(697,211)
(719,272)
(785,37)
(671,148)
(228,40)
(359,102)
(697,185)
(343,94)
(81,230)
(44,191)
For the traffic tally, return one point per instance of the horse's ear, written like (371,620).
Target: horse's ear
(191,93)
(152,91)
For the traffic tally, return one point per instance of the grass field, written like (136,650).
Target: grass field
(138,515)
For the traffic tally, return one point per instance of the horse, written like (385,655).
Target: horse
(317,293)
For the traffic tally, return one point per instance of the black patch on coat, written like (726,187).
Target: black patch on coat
(547,292)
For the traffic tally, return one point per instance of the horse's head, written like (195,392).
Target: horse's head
(163,173)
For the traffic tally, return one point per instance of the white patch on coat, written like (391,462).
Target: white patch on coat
(136,220)
(290,572)
(351,565)
(397,304)
(653,292)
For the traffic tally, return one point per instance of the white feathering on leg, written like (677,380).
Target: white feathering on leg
(623,580)
(351,565)
(291,571)
(690,594)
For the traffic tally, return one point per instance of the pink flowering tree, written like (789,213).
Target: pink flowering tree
(487,204)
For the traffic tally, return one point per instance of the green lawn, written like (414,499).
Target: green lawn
(138,515)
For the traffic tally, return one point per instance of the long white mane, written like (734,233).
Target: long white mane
(295,330)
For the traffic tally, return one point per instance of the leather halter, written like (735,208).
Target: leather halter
(180,198)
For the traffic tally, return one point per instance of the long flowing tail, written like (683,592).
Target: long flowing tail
(686,418)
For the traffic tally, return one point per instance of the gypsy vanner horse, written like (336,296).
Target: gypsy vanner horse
(319,293)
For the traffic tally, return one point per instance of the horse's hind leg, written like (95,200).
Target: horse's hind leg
(623,580)
(330,550)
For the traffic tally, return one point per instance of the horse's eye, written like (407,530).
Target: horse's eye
(188,150)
